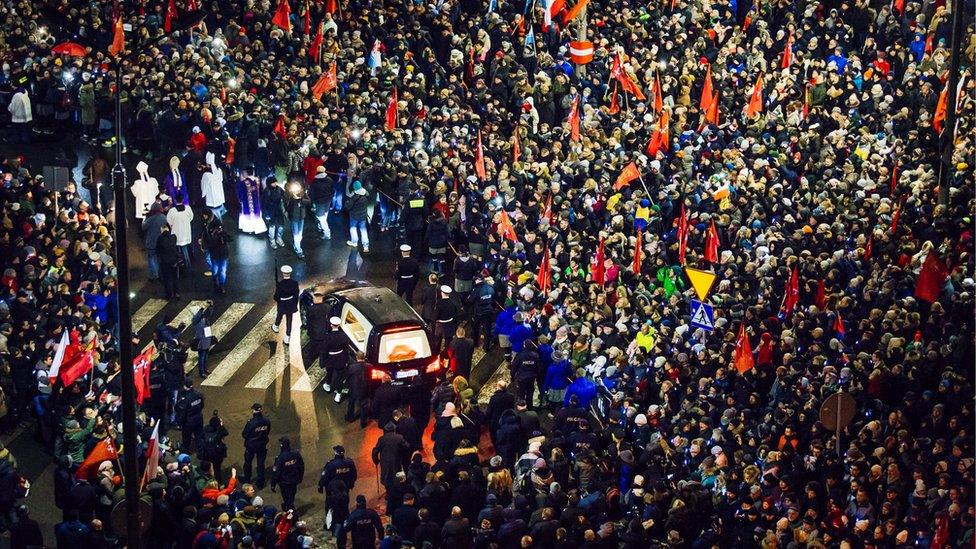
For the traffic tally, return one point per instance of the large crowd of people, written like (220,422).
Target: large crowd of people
(794,148)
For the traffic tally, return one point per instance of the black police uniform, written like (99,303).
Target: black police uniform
(286,296)
(289,470)
(255,435)
(482,302)
(525,370)
(364,525)
(189,416)
(407,271)
(337,479)
(317,326)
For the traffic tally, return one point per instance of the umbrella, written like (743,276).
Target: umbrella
(70,48)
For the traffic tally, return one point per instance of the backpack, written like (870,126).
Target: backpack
(211,445)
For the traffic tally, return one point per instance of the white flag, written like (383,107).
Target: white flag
(58,357)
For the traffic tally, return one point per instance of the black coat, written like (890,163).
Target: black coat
(389,454)
(167,250)
(356,379)
(386,399)
(407,426)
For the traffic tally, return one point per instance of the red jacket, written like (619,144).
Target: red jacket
(211,494)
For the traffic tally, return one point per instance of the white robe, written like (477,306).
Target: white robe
(144,191)
(179,222)
(212,187)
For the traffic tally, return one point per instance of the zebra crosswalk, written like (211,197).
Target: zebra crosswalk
(248,353)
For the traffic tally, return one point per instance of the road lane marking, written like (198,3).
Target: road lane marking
(146,313)
(242,351)
(228,319)
(185,315)
(276,364)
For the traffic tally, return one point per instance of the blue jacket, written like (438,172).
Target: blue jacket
(521,332)
(584,389)
(558,375)
(504,321)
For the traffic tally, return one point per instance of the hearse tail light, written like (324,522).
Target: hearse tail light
(376,374)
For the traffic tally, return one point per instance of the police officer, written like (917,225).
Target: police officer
(445,318)
(334,358)
(255,435)
(414,218)
(317,325)
(364,525)
(465,269)
(482,303)
(525,370)
(286,296)
(288,472)
(407,271)
(337,479)
(189,414)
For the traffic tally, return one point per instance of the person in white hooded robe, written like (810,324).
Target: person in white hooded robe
(144,189)
(212,188)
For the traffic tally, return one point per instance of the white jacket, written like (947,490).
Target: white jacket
(20,108)
(179,222)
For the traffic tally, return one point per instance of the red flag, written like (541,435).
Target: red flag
(894,179)
(575,11)
(282,16)
(547,210)
(626,176)
(104,450)
(516,147)
(79,366)
(658,94)
(141,367)
(931,278)
(839,325)
(315,48)
(711,115)
(67,349)
(896,217)
(654,145)
(118,39)
(868,248)
(171,14)
(821,298)
(544,278)
(279,126)
(307,27)
(899,6)
(391,111)
(505,228)
(929,41)
(614,103)
(792,296)
(574,120)
(331,6)
(787,53)
(479,162)
(711,244)
(152,456)
(638,251)
(664,128)
(742,357)
(940,110)
(599,274)
(682,235)
(707,87)
(326,83)
(756,100)
(626,83)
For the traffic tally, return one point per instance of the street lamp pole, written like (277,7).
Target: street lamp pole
(130,466)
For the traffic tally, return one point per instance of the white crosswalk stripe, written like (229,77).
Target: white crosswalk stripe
(242,351)
(228,319)
(185,315)
(284,356)
(146,313)
(311,375)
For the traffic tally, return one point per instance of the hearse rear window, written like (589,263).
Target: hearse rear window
(399,346)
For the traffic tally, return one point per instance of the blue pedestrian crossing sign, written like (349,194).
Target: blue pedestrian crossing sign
(702,315)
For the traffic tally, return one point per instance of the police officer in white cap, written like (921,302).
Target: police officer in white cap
(407,271)
(286,296)
(334,357)
(446,317)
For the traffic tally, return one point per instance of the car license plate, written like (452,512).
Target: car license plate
(402,374)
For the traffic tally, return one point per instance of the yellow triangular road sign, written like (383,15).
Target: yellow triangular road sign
(701,280)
